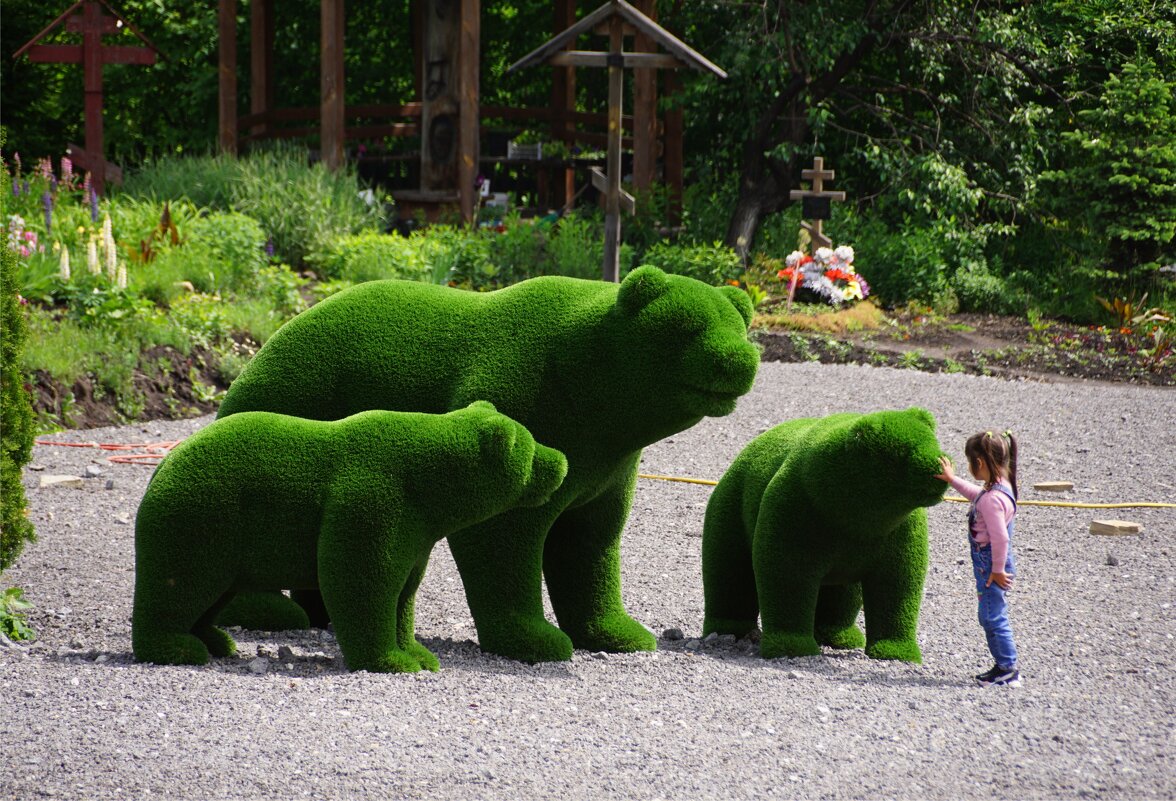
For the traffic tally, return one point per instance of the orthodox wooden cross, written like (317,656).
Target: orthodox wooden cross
(616,18)
(816,203)
(92,24)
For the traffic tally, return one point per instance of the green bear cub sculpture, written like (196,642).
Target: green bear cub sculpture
(596,370)
(817,518)
(262,501)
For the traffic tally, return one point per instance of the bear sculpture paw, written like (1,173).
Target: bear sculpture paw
(902,650)
(842,638)
(777,643)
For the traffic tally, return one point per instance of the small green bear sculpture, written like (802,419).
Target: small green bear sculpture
(596,370)
(817,518)
(265,501)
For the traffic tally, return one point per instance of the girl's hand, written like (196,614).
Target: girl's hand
(948,474)
(1003,580)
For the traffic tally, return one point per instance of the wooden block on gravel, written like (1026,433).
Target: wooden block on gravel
(1054,486)
(61,481)
(1114,527)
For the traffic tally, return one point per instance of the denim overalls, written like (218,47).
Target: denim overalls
(992,609)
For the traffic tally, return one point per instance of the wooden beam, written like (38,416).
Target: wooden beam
(612,196)
(332,79)
(600,184)
(673,163)
(591,58)
(226,76)
(92,77)
(72,54)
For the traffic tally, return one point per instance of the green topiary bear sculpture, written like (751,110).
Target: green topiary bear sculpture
(596,370)
(813,520)
(266,501)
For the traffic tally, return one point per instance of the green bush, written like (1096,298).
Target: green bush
(978,290)
(301,208)
(206,180)
(16,413)
(235,247)
(713,264)
(519,251)
(576,249)
(371,255)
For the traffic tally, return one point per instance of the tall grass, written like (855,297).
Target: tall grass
(204,180)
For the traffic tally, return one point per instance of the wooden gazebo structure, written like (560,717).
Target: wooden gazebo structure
(447,113)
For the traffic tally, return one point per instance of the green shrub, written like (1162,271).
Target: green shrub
(576,249)
(301,208)
(16,413)
(235,247)
(206,180)
(978,290)
(371,255)
(712,264)
(519,251)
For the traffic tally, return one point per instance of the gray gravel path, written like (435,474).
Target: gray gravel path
(79,719)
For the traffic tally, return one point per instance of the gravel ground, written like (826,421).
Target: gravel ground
(1092,615)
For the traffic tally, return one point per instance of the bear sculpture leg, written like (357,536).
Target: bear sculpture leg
(501,566)
(582,565)
(836,617)
(893,593)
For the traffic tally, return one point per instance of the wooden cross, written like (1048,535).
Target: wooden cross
(92,24)
(816,201)
(616,18)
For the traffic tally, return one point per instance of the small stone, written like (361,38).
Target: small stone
(711,638)
(36,468)
(75,482)
(726,639)
(1112,560)
(1114,527)
(93,471)
(285,653)
(122,520)
(110,483)
(673,634)
(792,674)
(599,655)
(259,665)
(77,645)
(101,658)
(693,644)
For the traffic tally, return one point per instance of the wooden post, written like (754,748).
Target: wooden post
(644,107)
(227,76)
(92,75)
(261,62)
(616,96)
(469,56)
(331,71)
(441,101)
(563,99)
(673,163)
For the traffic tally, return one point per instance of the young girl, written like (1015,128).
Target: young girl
(992,458)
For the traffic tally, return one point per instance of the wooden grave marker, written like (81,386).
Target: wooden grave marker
(816,203)
(92,24)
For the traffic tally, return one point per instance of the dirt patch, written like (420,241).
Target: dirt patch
(169,385)
(1008,347)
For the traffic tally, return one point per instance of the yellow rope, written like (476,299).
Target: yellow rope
(956,499)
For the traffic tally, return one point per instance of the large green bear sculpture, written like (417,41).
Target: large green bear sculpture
(596,370)
(816,518)
(266,501)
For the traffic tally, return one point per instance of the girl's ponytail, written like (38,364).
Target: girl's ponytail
(1008,434)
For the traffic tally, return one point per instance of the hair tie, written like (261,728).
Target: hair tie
(987,435)
(1007,433)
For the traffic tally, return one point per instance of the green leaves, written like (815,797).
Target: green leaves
(13,624)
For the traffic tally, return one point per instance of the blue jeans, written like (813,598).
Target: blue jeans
(992,610)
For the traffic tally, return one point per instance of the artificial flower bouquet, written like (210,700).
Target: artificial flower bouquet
(827,276)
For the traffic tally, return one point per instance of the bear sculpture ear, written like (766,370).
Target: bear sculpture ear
(640,288)
(924,416)
(740,301)
(483,406)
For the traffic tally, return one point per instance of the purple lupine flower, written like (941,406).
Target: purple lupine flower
(47,202)
(93,205)
(25,188)
(269,248)
(16,188)
(52,183)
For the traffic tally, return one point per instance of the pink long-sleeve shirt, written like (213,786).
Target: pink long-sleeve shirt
(994,510)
